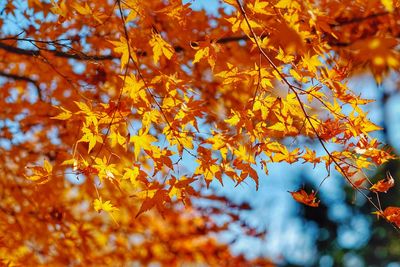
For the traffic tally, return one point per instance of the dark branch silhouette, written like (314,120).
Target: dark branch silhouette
(23,78)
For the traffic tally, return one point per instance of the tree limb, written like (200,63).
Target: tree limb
(23,78)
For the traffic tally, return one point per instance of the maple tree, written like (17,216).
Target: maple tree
(104,102)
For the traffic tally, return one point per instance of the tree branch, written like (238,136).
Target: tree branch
(29,52)
(23,78)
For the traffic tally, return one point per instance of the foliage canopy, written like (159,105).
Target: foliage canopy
(104,103)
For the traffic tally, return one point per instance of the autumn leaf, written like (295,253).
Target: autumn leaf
(301,196)
(64,115)
(158,199)
(311,157)
(131,174)
(84,10)
(259,7)
(105,170)
(106,206)
(383,185)
(160,47)
(359,182)
(40,175)
(201,53)
(59,8)
(234,119)
(391,214)
(121,47)
(142,141)
(116,138)
(90,135)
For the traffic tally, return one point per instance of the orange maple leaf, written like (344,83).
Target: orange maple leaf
(391,214)
(301,196)
(383,185)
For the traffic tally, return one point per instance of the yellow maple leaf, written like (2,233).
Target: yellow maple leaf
(121,46)
(259,7)
(287,4)
(311,62)
(243,154)
(40,175)
(234,119)
(99,206)
(160,47)
(201,53)
(83,10)
(116,138)
(59,8)
(134,88)
(149,117)
(90,135)
(143,140)
(231,2)
(105,170)
(284,58)
(131,174)
(65,115)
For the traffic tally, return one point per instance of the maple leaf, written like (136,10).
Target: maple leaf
(60,9)
(105,170)
(239,23)
(90,135)
(131,174)
(158,199)
(234,119)
(135,89)
(287,4)
(116,138)
(40,175)
(179,188)
(84,10)
(99,206)
(311,156)
(286,155)
(311,62)
(160,47)
(142,140)
(259,7)
(121,47)
(65,115)
(359,182)
(284,57)
(201,53)
(206,50)
(391,214)
(383,185)
(106,206)
(301,196)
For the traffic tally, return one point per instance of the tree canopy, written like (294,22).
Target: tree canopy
(115,115)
